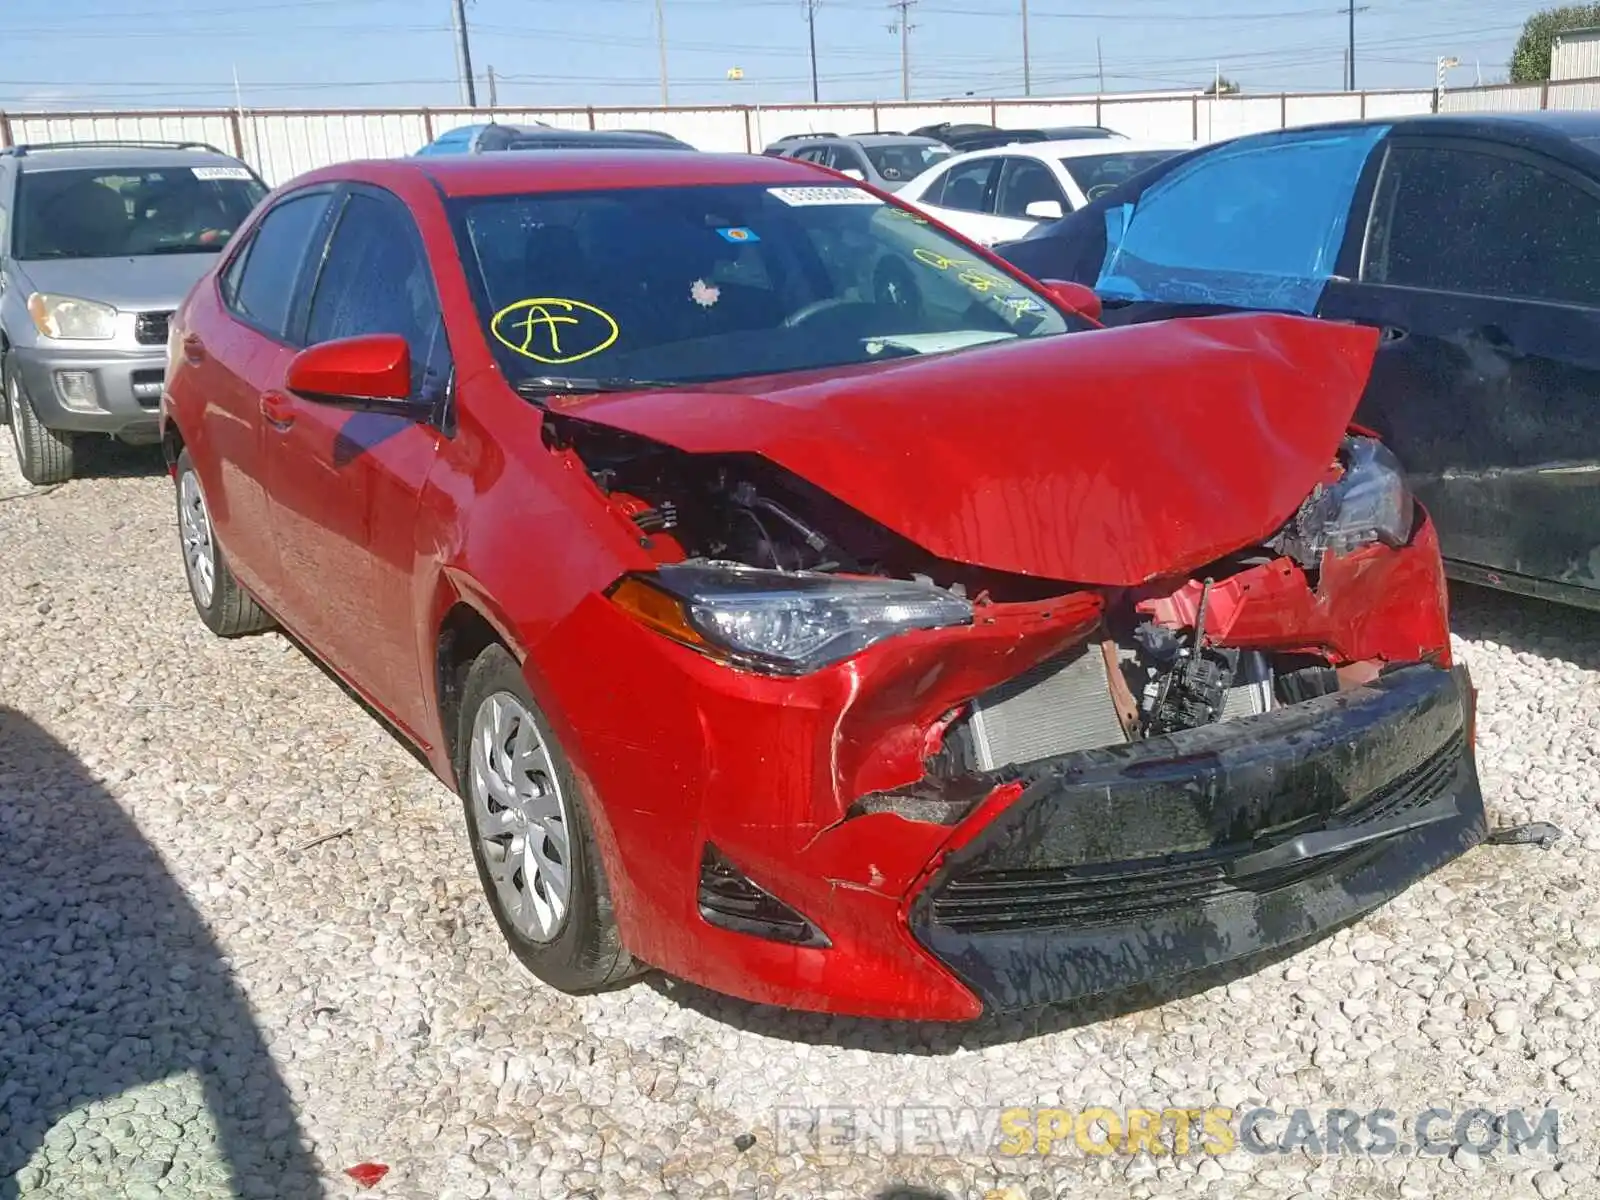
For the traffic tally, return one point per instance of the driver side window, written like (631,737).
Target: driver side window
(964,187)
(1024,181)
(375,279)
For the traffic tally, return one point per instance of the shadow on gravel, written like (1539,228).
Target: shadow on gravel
(107,458)
(1526,625)
(109,980)
(935,1039)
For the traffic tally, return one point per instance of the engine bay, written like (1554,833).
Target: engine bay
(1160,663)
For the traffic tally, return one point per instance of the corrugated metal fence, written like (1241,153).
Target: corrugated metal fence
(282,143)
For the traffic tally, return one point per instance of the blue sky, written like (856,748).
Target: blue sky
(342,53)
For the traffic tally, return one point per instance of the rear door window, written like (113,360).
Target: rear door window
(266,286)
(1474,221)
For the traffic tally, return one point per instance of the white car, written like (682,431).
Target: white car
(1001,194)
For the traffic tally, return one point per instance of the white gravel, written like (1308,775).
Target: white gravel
(187,997)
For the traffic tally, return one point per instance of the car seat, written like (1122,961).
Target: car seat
(87,219)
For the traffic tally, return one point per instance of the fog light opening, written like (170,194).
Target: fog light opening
(77,390)
(730,899)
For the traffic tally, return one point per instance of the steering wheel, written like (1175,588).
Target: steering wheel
(1101,189)
(805,313)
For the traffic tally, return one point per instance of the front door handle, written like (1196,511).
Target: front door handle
(1393,333)
(278,410)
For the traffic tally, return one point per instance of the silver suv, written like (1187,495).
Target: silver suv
(885,160)
(99,243)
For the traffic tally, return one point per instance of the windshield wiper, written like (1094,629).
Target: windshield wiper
(566,385)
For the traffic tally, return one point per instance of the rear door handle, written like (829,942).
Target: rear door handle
(278,410)
(194,350)
(1393,333)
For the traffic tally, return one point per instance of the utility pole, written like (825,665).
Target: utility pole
(469,89)
(494,92)
(1100,58)
(811,24)
(661,47)
(904,26)
(1352,6)
(1027,65)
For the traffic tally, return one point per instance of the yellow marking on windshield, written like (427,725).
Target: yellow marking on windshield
(552,329)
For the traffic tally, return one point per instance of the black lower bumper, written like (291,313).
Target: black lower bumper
(1116,867)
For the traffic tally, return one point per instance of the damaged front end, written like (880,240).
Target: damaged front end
(926,788)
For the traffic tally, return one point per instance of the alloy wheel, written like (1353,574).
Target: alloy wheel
(521,817)
(199,550)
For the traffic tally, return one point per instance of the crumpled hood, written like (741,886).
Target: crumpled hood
(1111,457)
(145,283)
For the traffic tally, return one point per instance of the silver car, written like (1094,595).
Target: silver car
(99,243)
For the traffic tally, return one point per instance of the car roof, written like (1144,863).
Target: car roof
(892,139)
(1566,124)
(31,159)
(579,170)
(1074,148)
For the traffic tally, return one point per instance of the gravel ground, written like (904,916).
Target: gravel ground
(196,1000)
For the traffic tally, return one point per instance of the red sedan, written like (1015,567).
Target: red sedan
(807,604)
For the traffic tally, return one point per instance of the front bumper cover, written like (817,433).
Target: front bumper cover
(1120,866)
(127,388)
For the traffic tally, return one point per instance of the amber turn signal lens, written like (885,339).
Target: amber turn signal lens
(653,607)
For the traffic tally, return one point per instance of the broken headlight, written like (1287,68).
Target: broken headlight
(1369,503)
(784,622)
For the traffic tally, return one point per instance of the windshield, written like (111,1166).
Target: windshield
(900,163)
(1097,174)
(99,213)
(684,284)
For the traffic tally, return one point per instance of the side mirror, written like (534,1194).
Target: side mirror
(1044,210)
(854,173)
(1076,296)
(372,371)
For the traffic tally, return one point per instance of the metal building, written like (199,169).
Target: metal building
(1575,54)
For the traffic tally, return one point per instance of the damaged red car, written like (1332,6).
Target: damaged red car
(809,605)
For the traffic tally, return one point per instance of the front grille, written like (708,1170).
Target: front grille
(147,385)
(1016,901)
(150,328)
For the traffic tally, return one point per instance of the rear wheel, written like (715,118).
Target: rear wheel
(531,838)
(226,608)
(44,456)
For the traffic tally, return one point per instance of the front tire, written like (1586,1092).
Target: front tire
(226,608)
(45,456)
(537,859)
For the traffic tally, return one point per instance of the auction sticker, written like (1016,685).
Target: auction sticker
(220,172)
(802,197)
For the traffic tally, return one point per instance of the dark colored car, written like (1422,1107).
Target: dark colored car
(1472,243)
(807,604)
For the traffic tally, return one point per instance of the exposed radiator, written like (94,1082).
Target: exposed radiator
(1065,704)
(1251,692)
(1061,705)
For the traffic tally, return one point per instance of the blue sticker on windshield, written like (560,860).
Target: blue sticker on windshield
(1256,223)
(738,233)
